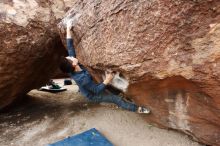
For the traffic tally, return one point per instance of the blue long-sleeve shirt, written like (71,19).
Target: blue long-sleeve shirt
(82,78)
(71,49)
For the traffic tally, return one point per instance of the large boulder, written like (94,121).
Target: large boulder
(166,53)
(30,46)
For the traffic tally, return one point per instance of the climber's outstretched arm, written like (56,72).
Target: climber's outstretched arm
(69,41)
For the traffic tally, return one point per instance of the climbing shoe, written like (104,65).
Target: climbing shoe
(143,110)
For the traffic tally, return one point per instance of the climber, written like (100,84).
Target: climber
(92,91)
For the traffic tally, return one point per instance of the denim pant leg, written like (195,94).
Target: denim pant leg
(111,98)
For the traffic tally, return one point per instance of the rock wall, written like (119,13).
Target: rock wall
(30,46)
(166,53)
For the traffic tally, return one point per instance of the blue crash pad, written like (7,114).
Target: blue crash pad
(91,137)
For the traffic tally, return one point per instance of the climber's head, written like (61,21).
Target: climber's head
(67,65)
(73,61)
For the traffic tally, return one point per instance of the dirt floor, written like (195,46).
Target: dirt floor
(45,118)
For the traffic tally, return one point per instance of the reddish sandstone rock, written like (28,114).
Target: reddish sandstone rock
(167,53)
(30,46)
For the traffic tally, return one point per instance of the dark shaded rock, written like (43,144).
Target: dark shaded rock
(30,46)
(166,53)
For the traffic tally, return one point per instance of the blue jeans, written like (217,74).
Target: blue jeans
(111,98)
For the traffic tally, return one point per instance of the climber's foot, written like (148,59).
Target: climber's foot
(143,110)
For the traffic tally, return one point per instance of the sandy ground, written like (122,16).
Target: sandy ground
(45,118)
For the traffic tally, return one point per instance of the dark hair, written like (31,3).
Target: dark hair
(66,65)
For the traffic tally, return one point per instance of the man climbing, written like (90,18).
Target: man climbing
(92,91)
